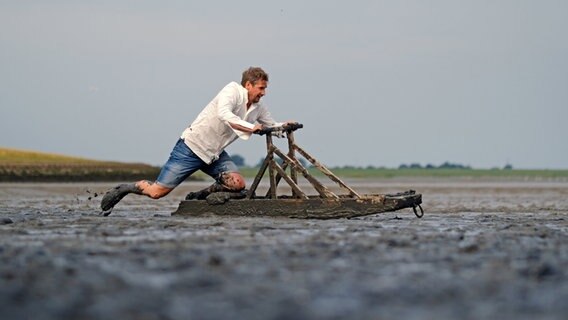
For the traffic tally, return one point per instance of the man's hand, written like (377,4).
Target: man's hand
(257,127)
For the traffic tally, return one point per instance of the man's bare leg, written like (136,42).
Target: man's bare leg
(143,187)
(152,189)
(227,182)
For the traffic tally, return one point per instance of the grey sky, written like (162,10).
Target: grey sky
(375,82)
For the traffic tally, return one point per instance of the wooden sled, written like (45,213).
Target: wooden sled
(325,205)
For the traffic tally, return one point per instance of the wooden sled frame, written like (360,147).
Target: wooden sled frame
(277,172)
(327,205)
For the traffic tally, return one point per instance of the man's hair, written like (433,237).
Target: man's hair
(253,74)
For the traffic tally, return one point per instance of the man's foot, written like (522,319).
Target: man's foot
(114,195)
(198,195)
(223,196)
(215,187)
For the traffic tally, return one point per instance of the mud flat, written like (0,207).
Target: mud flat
(484,249)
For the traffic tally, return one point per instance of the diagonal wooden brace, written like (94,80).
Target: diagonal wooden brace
(320,188)
(326,171)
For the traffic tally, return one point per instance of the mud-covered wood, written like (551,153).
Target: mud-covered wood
(325,171)
(259,176)
(271,173)
(327,205)
(296,191)
(312,208)
(278,178)
(292,155)
(320,188)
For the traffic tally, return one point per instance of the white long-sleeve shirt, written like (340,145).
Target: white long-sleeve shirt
(211,133)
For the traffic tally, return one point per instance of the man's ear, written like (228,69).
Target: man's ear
(248,84)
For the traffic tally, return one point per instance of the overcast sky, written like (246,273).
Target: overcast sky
(481,83)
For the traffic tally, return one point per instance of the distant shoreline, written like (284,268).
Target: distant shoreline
(134,172)
(76,173)
(30,166)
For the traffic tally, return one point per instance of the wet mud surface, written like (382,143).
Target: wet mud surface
(483,250)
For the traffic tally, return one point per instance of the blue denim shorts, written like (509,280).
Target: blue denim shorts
(183,163)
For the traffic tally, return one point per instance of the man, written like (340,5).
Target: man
(231,114)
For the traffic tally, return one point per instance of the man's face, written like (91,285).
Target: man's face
(256,91)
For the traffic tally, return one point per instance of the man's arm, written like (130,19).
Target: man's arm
(227,100)
(245,129)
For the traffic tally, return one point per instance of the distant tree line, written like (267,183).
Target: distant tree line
(240,162)
(445,165)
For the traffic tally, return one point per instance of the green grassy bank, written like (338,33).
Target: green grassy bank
(30,166)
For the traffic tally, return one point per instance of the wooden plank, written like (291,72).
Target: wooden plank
(317,208)
(326,171)
(258,177)
(270,147)
(278,178)
(320,188)
(296,191)
(292,155)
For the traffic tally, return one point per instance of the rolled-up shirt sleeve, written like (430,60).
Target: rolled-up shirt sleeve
(226,103)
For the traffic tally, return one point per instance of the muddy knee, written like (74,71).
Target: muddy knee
(233,181)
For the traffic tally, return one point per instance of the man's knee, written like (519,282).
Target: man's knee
(233,181)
